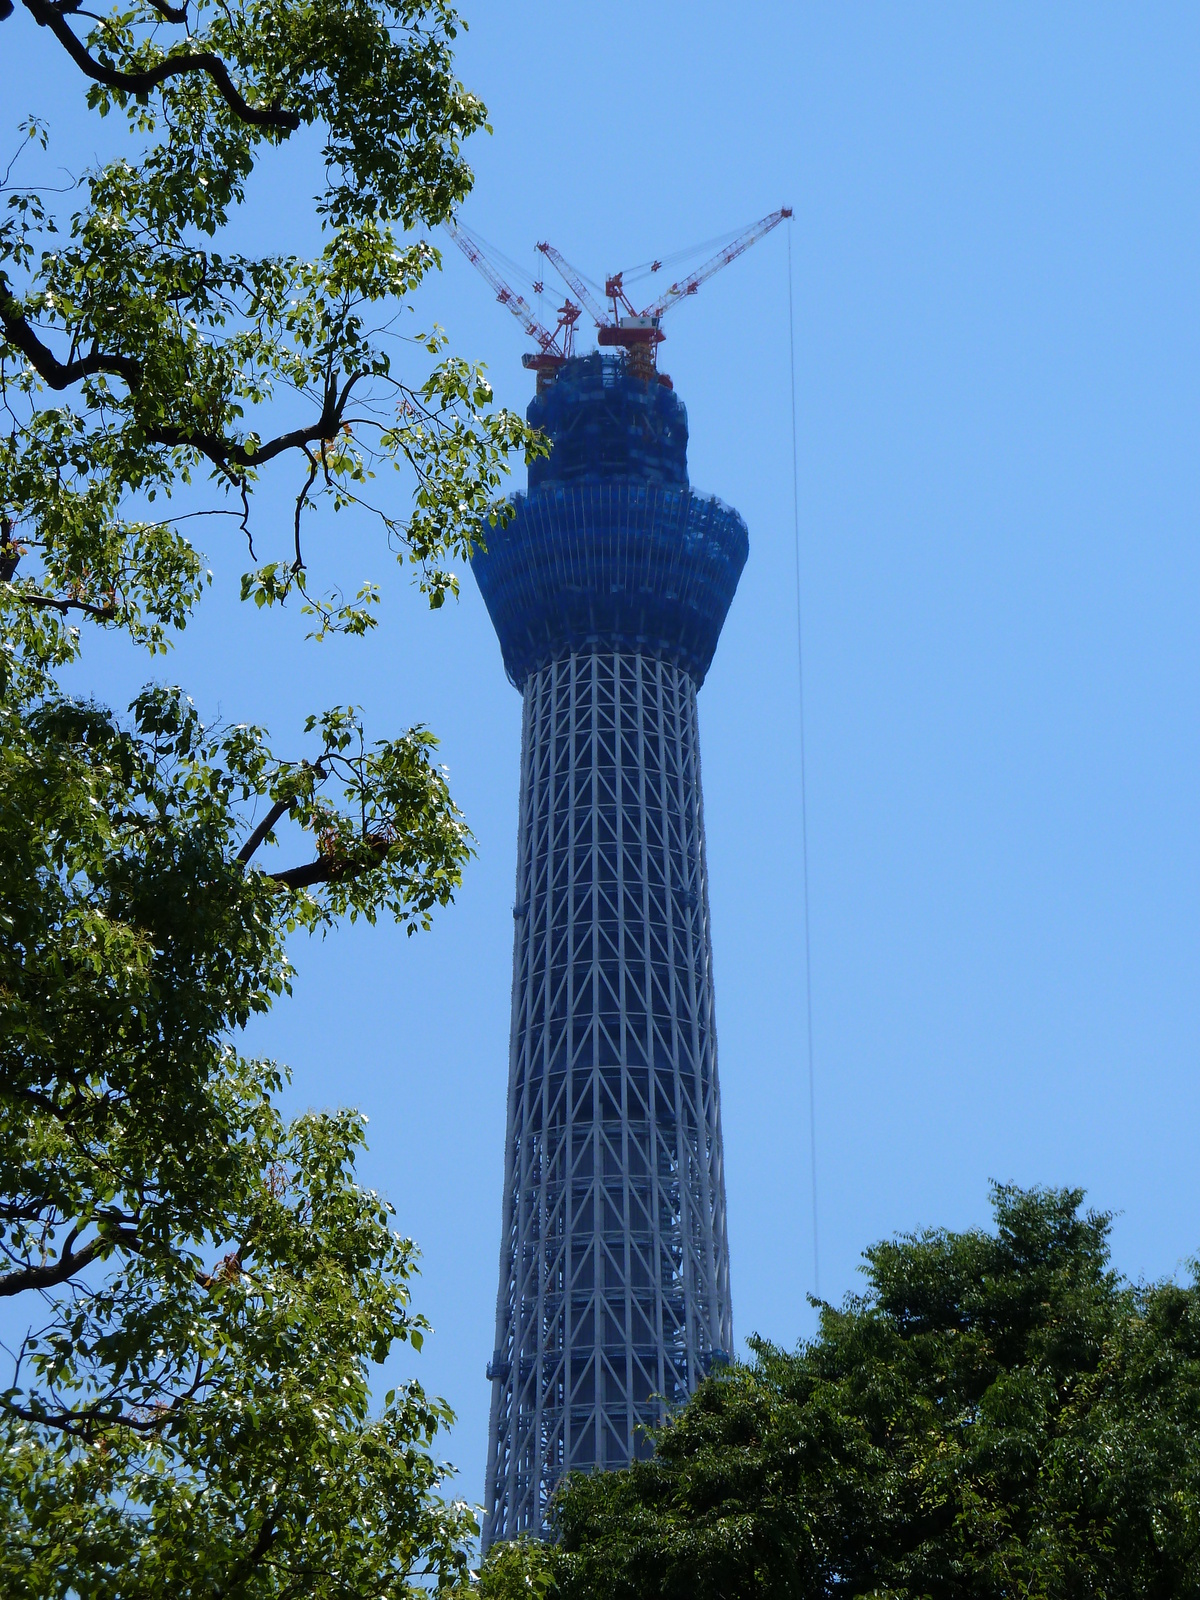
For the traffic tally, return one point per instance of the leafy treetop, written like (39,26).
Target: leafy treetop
(999,1415)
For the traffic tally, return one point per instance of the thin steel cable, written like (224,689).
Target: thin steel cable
(644,268)
(812,1092)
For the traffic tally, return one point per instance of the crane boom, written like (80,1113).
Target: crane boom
(553,347)
(506,295)
(690,284)
(572,277)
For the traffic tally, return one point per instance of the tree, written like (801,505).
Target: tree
(998,1415)
(205,1284)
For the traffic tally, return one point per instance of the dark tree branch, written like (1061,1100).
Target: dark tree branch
(49,16)
(314,467)
(263,829)
(10,553)
(242,1569)
(242,485)
(327,869)
(82,1424)
(53,603)
(24,1211)
(53,1272)
(78,1425)
(58,374)
(222,452)
(303,877)
(171,13)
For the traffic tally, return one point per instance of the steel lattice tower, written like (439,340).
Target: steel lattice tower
(608,589)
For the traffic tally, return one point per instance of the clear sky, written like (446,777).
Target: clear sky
(995,264)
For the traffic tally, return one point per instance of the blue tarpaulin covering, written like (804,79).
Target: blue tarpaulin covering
(610,548)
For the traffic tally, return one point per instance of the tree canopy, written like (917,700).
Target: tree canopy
(173,357)
(998,1415)
(201,1285)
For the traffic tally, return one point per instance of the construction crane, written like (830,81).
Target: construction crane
(553,347)
(638,332)
(736,247)
(575,280)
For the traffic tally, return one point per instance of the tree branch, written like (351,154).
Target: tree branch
(241,1569)
(44,601)
(314,467)
(58,374)
(220,451)
(82,1424)
(327,868)
(10,551)
(263,829)
(77,1424)
(49,16)
(45,1277)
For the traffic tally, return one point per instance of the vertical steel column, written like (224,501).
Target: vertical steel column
(614,1270)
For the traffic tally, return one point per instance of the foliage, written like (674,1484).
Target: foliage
(180,357)
(205,1284)
(999,1415)
(520,1569)
(211,1283)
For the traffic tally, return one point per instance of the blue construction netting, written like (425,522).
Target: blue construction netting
(607,425)
(610,549)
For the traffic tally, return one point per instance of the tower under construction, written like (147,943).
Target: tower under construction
(608,589)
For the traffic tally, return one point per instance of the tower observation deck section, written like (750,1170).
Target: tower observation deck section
(608,589)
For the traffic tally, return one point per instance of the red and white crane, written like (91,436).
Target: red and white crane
(628,326)
(553,347)
(637,331)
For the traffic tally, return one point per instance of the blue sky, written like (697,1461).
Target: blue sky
(995,257)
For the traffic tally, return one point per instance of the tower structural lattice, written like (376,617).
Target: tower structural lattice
(608,589)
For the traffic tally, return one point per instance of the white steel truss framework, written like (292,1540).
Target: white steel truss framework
(614,1266)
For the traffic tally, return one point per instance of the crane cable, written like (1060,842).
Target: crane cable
(812,1094)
